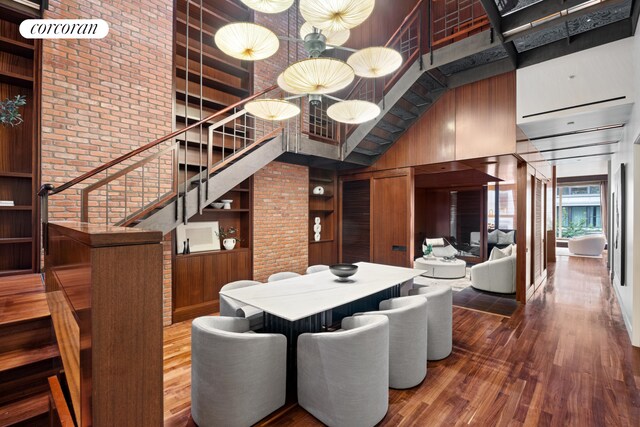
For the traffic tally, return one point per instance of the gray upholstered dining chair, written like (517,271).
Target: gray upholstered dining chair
(440,319)
(237,378)
(282,276)
(232,308)
(407,340)
(317,268)
(343,376)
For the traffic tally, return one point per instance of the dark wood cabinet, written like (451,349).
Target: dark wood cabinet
(323,206)
(19,153)
(198,277)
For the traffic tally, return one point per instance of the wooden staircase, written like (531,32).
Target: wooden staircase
(28,352)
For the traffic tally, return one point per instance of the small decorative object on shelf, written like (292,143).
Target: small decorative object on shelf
(7,203)
(217,205)
(317,220)
(188,247)
(319,190)
(9,114)
(317,228)
(316,237)
(227,241)
(227,203)
(427,250)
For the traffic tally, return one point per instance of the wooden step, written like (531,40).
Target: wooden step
(24,357)
(16,309)
(22,284)
(31,411)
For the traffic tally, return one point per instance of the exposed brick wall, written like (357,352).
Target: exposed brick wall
(103,98)
(281,215)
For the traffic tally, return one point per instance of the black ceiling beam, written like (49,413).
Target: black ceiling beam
(602,35)
(536,11)
(564,19)
(635,11)
(497,23)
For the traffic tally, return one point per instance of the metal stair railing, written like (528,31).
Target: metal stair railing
(132,186)
(408,40)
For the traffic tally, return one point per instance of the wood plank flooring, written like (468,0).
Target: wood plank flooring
(564,359)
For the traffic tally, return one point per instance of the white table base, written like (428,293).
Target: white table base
(440,269)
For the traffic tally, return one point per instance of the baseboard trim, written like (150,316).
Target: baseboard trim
(625,316)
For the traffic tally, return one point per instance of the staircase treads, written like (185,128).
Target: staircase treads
(389,127)
(25,410)
(23,308)
(24,357)
(429,83)
(23,284)
(365,151)
(378,140)
(416,99)
(402,113)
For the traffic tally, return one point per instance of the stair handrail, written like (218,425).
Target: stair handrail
(50,190)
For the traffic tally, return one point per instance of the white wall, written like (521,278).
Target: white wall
(629,153)
(600,73)
(583,168)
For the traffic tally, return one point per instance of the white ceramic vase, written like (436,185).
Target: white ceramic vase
(317,220)
(317,228)
(316,237)
(229,243)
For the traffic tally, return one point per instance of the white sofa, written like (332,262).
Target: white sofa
(496,275)
(591,244)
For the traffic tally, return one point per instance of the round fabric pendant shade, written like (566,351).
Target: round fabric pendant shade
(272,109)
(317,76)
(247,41)
(336,15)
(353,112)
(334,38)
(283,85)
(268,6)
(375,61)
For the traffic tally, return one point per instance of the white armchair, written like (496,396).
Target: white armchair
(237,378)
(232,308)
(407,340)
(343,376)
(498,275)
(591,245)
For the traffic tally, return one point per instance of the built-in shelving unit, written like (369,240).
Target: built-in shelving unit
(205,82)
(198,277)
(323,206)
(19,147)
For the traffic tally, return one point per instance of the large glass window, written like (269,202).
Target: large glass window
(579,210)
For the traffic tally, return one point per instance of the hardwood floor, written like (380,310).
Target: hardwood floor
(563,359)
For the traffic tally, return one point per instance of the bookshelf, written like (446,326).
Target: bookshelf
(325,207)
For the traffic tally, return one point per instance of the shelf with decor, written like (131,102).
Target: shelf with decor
(323,205)
(198,276)
(19,148)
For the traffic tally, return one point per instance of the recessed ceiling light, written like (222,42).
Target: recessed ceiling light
(571,123)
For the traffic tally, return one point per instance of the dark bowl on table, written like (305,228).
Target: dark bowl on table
(343,271)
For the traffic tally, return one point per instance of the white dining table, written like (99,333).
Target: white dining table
(304,296)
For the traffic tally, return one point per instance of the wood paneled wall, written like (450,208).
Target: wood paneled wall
(380,26)
(475,120)
(382,205)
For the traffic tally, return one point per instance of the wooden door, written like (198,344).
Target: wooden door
(355,224)
(391,220)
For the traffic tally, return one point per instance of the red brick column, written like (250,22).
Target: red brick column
(281,212)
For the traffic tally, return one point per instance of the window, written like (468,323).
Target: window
(578,211)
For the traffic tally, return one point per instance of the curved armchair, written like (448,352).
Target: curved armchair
(282,276)
(439,319)
(497,275)
(317,268)
(591,245)
(232,308)
(236,378)
(343,376)
(407,340)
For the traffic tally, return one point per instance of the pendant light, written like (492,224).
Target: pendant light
(375,61)
(317,76)
(268,6)
(334,38)
(336,15)
(272,109)
(353,111)
(247,41)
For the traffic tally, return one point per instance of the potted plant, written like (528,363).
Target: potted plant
(228,237)
(9,114)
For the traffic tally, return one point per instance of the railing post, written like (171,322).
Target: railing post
(43,193)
